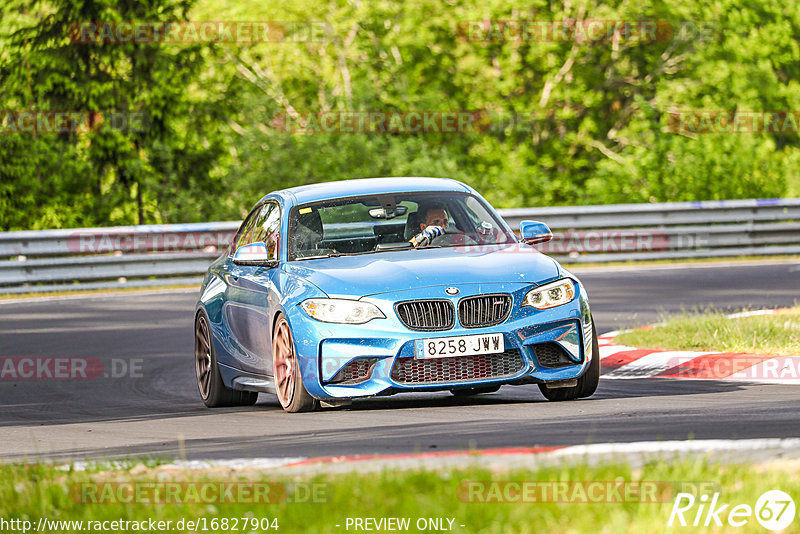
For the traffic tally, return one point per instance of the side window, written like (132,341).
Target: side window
(268,229)
(245,230)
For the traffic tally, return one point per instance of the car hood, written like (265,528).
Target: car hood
(371,274)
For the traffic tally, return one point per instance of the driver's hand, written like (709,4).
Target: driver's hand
(426,236)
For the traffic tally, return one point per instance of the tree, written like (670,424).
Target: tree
(147,136)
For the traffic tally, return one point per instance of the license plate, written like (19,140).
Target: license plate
(445,347)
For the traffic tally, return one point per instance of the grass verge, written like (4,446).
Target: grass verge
(319,504)
(778,333)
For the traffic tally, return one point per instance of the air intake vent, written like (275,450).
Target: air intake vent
(552,355)
(426,315)
(484,310)
(457,368)
(356,371)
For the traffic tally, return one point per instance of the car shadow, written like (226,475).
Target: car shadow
(529,394)
(138,406)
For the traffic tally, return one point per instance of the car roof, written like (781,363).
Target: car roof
(368,186)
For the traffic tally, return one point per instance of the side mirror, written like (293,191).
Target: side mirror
(534,232)
(254,254)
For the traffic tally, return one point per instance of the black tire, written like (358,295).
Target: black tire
(587,383)
(468,392)
(209,380)
(293,397)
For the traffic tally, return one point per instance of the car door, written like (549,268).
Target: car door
(251,292)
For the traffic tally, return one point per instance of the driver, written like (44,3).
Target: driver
(435,216)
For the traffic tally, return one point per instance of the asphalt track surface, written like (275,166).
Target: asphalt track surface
(157,412)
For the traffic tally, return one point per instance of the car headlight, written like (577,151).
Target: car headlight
(341,311)
(550,295)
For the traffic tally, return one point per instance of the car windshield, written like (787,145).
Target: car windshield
(370,224)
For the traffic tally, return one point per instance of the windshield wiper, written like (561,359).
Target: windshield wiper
(341,254)
(331,255)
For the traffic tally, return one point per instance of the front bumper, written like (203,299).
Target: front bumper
(325,349)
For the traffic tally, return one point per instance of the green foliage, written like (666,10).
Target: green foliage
(111,172)
(778,333)
(593,496)
(570,122)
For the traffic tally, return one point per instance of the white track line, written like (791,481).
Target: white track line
(654,363)
(593,451)
(236,463)
(613,334)
(610,350)
(706,445)
(753,313)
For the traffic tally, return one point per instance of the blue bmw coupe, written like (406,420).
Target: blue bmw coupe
(337,291)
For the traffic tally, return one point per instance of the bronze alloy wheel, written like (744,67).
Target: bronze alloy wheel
(283,362)
(202,357)
(288,382)
(209,380)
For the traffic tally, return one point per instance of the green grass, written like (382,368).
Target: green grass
(30,492)
(768,334)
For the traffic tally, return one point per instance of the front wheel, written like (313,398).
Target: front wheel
(289,386)
(209,380)
(587,383)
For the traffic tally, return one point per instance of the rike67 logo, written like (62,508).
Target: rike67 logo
(774,510)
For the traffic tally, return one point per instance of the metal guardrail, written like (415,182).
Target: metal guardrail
(152,255)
